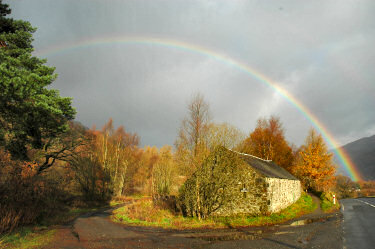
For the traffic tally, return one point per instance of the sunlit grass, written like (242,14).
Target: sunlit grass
(144,213)
(328,206)
(27,237)
(123,199)
(303,206)
(326,203)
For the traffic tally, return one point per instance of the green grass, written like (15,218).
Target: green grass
(326,203)
(162,218)
(303,206)
(328,206)
(143,213)
(27,237)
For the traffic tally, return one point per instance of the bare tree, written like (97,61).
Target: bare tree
(224,134)
(191,144)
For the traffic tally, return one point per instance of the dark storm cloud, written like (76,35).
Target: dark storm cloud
(320,51)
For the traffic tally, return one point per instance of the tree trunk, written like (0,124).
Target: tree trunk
(198,200)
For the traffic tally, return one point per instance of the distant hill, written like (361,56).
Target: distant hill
(362,153)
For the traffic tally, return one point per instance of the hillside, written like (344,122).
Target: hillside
(362,153)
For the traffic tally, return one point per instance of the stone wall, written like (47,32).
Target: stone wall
(250,194)
(281,193)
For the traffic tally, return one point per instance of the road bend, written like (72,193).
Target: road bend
(359,223)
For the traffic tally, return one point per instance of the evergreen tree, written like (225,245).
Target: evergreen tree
(30,114)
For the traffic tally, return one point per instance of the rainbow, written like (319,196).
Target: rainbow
(344,159)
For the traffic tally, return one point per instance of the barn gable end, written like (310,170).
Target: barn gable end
(281,193)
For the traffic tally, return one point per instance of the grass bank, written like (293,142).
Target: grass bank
(27,237)
(41,234)
(328,207)
(326,202)
(144,213)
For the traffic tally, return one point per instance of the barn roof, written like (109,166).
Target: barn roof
(266,167)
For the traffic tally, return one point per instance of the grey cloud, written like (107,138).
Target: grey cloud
(320,51)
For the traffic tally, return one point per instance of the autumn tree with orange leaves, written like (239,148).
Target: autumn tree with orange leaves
(314,165)
(268,142)
(114,149)
(26,196)
(140,172)
(101,168)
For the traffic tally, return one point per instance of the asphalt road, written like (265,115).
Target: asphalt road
(359,223)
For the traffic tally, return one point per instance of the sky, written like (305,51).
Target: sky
(321,52)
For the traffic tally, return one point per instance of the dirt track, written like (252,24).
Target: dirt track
(97,231)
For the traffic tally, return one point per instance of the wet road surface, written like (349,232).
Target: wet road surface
(358,223)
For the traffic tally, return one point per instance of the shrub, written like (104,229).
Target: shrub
(168,202)
(144,210)
(206,191)
(163,173)
(25,196)
(345,187)
(327,202)
(93,179)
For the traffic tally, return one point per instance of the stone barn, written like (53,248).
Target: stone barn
(231,183)
(281,188)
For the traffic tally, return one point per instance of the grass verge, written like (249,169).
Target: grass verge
(42,234)
(328,206)
(123,199)
(144,213)
(27,237)
(326,203)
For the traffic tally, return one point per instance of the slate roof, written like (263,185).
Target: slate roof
(266,167)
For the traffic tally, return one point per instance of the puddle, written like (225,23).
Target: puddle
(299,223)
(281,233)
(306,221)
(230,236)
(239,236)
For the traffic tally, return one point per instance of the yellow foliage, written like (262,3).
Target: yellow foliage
(314,164)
